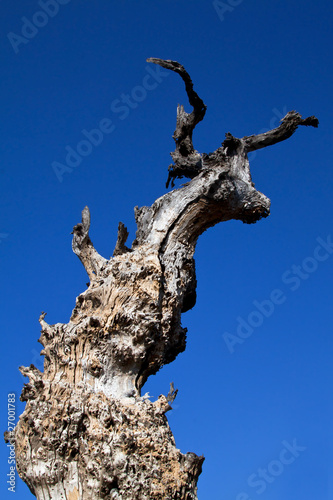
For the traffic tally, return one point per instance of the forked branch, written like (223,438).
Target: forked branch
(189,162)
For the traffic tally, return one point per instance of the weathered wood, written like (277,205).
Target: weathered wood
(87,432)
(187,160)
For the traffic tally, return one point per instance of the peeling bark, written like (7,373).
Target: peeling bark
(86,431)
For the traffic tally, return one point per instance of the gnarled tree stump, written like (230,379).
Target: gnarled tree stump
(86,432)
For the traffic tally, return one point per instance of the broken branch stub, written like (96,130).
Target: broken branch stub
(96,436)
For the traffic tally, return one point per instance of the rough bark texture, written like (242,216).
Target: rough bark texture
(86,431)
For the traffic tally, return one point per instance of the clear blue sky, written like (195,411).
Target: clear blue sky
(251,62)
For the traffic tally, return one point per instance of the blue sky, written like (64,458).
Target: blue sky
(260,409)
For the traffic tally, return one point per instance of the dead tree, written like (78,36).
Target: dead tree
(87,432)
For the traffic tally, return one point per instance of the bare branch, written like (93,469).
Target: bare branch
(187,160)
(199,108)
(287,128)
(83,247)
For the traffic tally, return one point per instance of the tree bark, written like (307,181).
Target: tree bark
(86,431)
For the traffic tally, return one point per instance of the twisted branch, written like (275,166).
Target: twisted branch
(287,128)
(83,247)
(187,160)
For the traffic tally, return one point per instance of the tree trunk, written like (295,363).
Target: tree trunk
(86,432)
